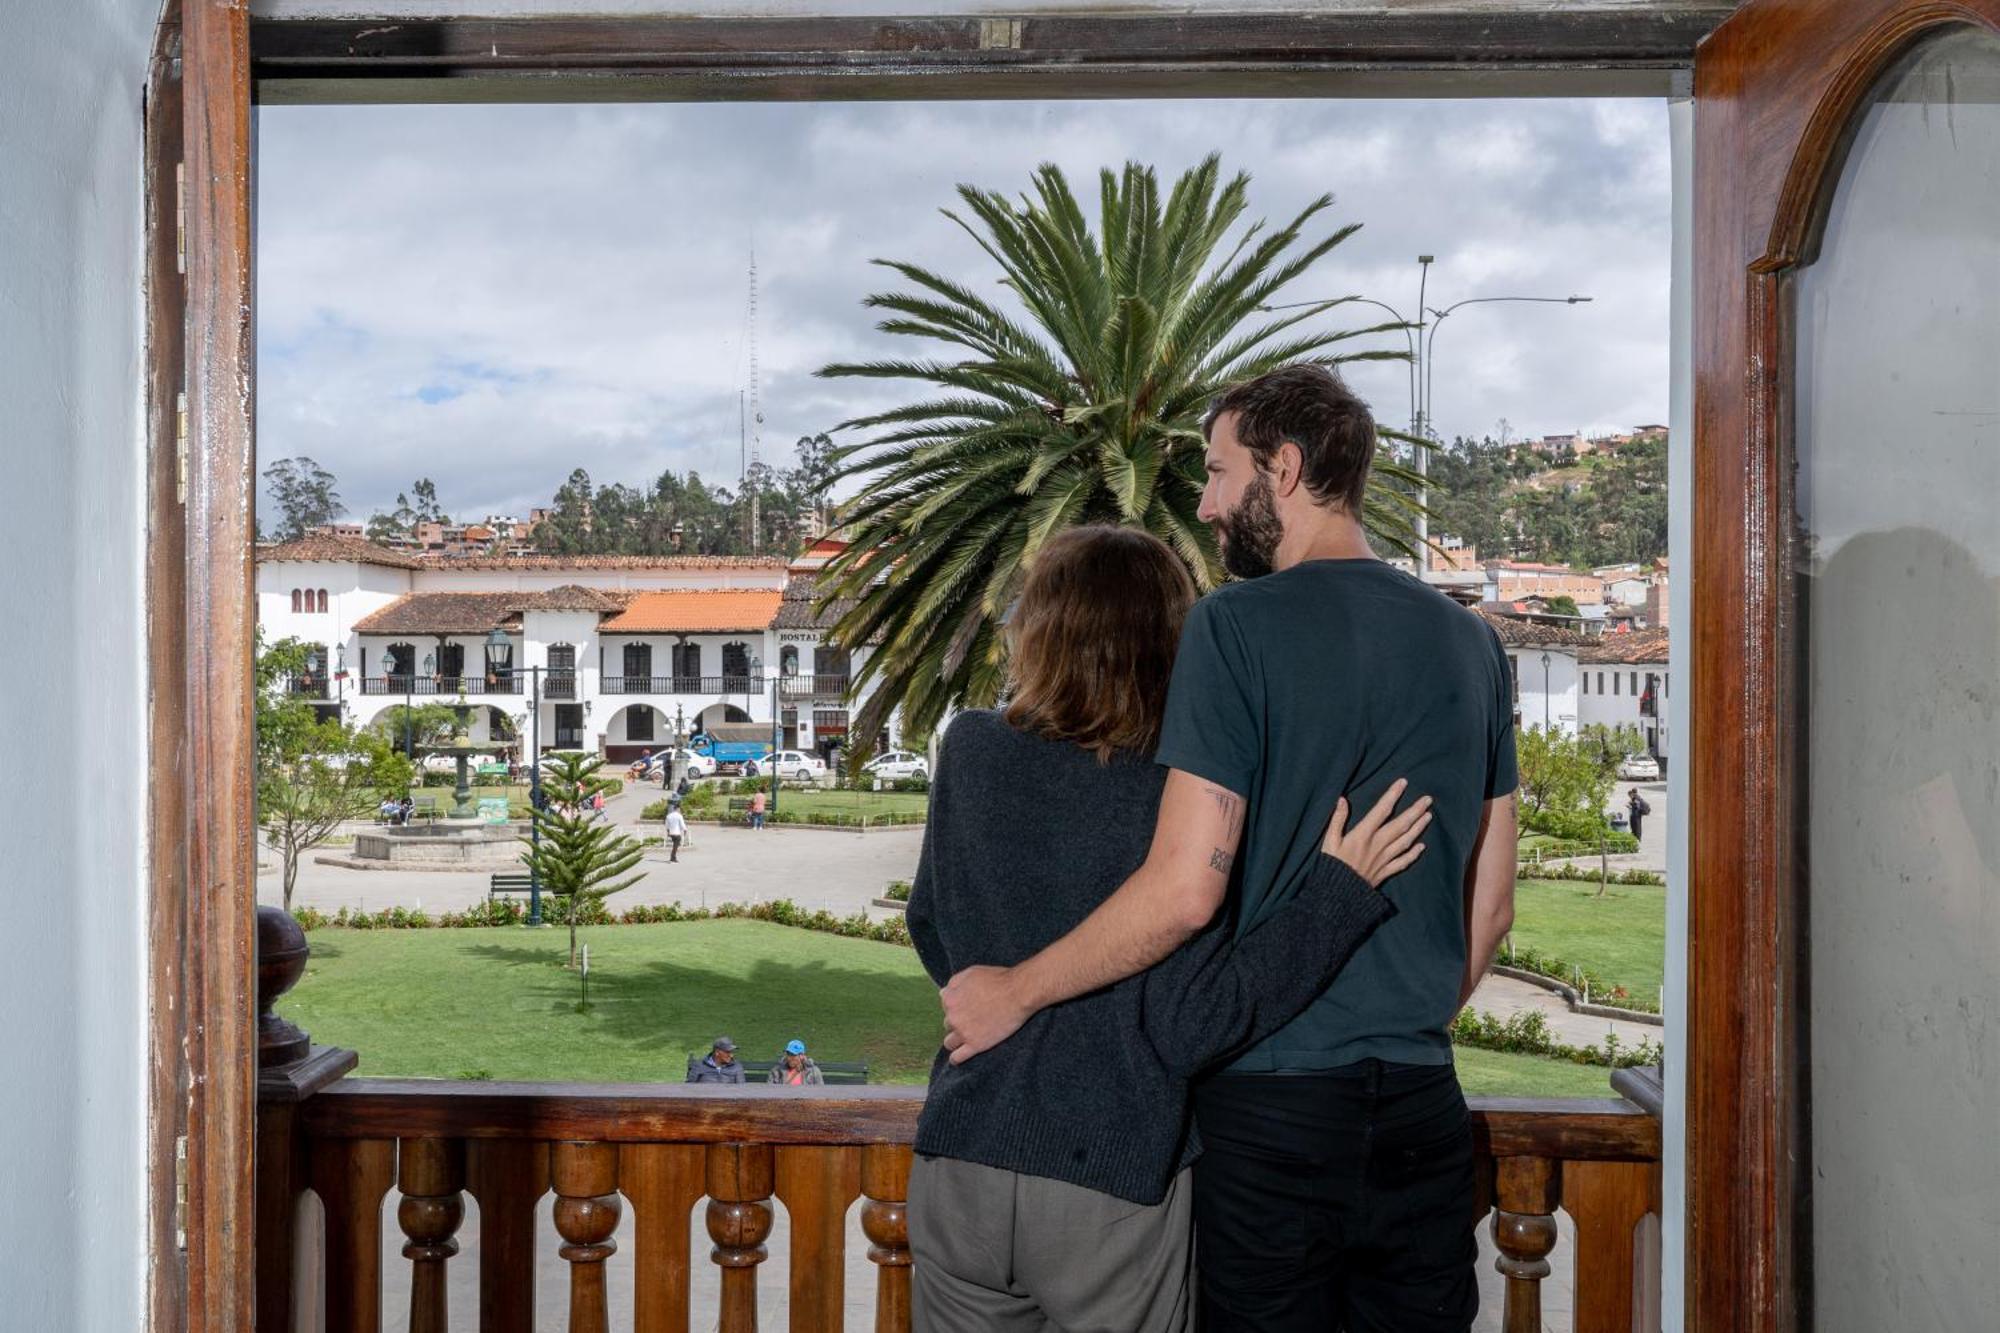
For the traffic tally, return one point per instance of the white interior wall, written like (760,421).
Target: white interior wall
(73,1062)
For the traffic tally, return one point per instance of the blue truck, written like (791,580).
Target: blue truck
(735,746)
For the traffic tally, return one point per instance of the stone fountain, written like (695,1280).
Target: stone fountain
(462,748)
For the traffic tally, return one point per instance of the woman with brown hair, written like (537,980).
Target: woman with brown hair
(1051,1189)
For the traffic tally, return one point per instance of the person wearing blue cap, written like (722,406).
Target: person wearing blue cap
(797,1069)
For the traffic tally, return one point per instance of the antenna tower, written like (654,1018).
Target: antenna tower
(756,420)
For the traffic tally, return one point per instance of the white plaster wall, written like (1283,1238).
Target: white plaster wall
(73,1061)
(1551,699)
(1597,707)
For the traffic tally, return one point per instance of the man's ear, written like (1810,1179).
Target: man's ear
(1288,469)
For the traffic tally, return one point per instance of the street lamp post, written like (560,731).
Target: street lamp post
(1423,365)
(497,638)
(756,671)
(1545,691)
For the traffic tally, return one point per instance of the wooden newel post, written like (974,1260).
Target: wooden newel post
(1527,1191)
(885,1220)
(290,1069)
(741,1179)
(587,1212)
(282,952)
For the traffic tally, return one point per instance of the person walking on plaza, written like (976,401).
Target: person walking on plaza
(1636,810)
(720,1065)
(796,1070)
(1338,1169)
(757,809)
(677,827)
(1051,1187)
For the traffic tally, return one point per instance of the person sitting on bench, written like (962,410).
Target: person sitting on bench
(796,1070)
(718,1066)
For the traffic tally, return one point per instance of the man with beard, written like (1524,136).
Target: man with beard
(1336,1185)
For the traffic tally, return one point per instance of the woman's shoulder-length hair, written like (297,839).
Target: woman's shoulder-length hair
(1093,638)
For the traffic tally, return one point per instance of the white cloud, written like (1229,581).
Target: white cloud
(491,296)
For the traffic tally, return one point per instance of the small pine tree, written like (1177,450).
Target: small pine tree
(581,858)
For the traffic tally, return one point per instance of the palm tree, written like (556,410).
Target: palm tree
(1086,409)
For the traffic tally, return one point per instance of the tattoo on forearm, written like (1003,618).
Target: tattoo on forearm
(1220,860)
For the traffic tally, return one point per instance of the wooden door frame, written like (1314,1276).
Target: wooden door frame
(211,57)
(1777,87)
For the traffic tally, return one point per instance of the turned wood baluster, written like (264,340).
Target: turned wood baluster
(885,1219)
(1527,1191)
(587,1212)
(741,1177)
(431,1174)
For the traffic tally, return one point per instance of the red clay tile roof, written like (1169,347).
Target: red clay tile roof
(1644,647)
(573,597)
(604,561)
(326,548)
(444,613)
(797,610)
(696,609)
(1515,632)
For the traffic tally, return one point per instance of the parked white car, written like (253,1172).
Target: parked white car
(794,765)
(897,764)
(1639,768)
(699,766)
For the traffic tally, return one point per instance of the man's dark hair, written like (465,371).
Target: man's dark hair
(1310,406)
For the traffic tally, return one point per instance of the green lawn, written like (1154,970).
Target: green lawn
(825,801)
(498,1002)
(1622,936)
(854,802)
(1504,1074)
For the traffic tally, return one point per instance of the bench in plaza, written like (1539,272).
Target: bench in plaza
(756,1071)
(507,885)
(427,806)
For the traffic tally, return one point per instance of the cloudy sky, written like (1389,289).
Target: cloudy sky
(491,296)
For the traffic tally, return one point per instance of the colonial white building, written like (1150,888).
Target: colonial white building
(1625,683)
(1544,662)
(609,654)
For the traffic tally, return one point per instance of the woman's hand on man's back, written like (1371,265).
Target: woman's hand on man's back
(1382,842)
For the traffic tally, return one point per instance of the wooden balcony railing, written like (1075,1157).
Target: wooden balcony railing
(659,1150)
(496,682)
(685,685)
(814,687)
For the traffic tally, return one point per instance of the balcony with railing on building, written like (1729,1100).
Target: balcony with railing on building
(628,1163)
(821,687)
(439,683)
(683,685)
(308,685)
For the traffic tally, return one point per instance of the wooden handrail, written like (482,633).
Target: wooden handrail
(1573,1129)
(380,1108)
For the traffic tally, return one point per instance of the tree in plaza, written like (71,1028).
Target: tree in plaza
(415,725)
(580,858)
(304,493)
(312,772)
(1564,783)
(1611,745)
(1086,406)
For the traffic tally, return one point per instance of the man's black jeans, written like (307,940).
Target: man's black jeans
(1335,1201)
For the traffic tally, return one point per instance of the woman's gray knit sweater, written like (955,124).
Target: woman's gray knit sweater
(1025,838)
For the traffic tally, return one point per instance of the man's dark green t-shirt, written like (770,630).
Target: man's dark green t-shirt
(1332,678)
